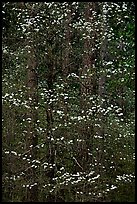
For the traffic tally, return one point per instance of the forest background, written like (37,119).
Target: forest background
(68,101)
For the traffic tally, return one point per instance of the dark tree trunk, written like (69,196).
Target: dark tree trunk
(88,85)
(89,54)
(32,137)
(100,131)
(67,46)
(66,53)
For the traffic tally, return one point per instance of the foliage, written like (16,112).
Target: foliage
(86,152)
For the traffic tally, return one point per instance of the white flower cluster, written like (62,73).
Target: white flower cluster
(125,177)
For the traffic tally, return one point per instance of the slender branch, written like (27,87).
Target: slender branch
(77,163)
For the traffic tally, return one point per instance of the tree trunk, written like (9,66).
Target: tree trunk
(89,53)
(101,92)
(88,84)
(67,46)
(32,137)
(66,59)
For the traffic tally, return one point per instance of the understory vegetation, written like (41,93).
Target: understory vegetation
(68,102)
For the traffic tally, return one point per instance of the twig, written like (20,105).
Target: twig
(77,162)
